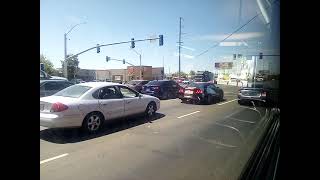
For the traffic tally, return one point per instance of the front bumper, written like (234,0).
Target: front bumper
(59,121)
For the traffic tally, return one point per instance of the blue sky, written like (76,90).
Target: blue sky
(205,22)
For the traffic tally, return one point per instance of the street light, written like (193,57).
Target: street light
(65,49)
(140,63)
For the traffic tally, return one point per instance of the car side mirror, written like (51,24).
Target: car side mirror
(140,95)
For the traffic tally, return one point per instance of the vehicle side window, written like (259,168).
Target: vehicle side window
(51,86)
(62,85)
(144,82)
(210,89)
(127,93)
(106,93)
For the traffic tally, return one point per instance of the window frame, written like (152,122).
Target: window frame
(125,87)
(100,98)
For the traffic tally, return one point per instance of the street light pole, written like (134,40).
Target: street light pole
(140,67)
(140,63)
(65,69)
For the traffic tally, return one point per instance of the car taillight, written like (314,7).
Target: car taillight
(181,90)
(58,107)
(264,94)
(198,91)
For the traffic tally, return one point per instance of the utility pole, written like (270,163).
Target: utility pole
(179,47)
(65,69)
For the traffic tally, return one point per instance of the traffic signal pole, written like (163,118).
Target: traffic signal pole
(111,44)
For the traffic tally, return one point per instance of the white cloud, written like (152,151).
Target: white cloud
(236,36)
(233,44)
(184,55)
(185,47)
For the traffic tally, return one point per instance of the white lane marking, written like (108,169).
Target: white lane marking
(187,114)
(229,93)
(53,158)
(241,120)
(227,102)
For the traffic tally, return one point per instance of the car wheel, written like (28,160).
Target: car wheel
(209,100)
(240,102)
(151,109)
(93,122)
(165,95)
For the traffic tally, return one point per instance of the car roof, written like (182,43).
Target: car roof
(48,80)
(98,84)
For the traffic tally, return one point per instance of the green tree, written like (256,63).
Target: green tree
(73,67)
(182,74)
(48,66)
(192,73)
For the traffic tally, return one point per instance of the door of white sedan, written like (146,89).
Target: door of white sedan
(111,102)
(133,104)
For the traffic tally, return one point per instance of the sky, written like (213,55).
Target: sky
(205,23)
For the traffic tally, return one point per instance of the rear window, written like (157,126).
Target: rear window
(133,82)
(73,91)
(155,82)
(197,85)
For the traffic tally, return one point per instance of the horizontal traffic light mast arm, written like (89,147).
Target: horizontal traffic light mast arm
(122,61)
(263,55)
(149,39)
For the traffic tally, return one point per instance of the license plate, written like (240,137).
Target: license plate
(188,92)
(41,107)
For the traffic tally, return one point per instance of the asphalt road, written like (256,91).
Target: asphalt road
(184,141)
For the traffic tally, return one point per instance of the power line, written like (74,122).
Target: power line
(234,31)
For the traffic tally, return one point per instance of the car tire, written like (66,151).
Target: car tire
(93,122)
(209,100)
(151,109)
(165,95)
(240,102)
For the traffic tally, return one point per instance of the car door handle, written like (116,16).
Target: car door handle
(129,102)
(104,104)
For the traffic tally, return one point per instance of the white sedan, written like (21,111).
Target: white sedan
(88,105)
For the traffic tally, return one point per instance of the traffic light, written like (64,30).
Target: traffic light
(234,56)
(260,55)
(160,40)
(132,43)
(41,66)
(124,61)
(107,58)
(98,48)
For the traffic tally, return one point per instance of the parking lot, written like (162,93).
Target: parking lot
(183,141)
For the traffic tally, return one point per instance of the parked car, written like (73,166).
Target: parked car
(50,87)
(89,105)
(44,76)
(163,89)
(77,81)
(137,84)
(202,92)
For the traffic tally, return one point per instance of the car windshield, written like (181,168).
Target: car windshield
(197,85)
(74,91)
(133,82)
(155,83)
(191,120)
